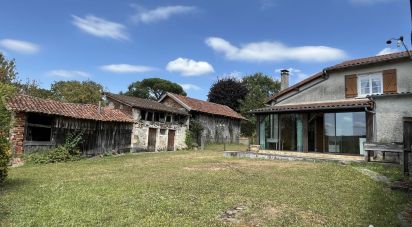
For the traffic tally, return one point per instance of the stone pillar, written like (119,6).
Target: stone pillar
(17,134)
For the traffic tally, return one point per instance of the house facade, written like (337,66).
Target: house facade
(220,123)
(39,124)
(157,127)
(342,107)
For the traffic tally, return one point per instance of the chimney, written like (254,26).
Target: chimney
(284,79)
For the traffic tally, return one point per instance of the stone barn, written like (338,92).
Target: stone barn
(39,124)
(157,127)
(220,122)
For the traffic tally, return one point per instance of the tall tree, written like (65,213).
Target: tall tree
(77,92)
(228,91)
(154,88)
(260,87)
(8,73)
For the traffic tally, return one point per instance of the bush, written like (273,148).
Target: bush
(62,153)
(4,158)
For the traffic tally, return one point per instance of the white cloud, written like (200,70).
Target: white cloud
(68,73)
(20,46)
(368,2)
(159,13)
(189,67)
(387,50)
(190,87)
(274,51)
(266,4)
(100,27)
(233,74)
(126,68)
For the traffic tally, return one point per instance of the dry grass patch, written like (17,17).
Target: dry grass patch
(284,215)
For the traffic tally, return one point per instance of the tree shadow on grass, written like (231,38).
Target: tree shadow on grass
(9,185)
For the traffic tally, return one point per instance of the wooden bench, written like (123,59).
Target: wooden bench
(392,148)
(382,147)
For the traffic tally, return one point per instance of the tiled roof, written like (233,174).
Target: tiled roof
(391,94)
(207,107)
(145,103)
(345,65)
(310,106)
(30,104)
(370,60)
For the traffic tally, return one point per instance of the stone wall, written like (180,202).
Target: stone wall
(140,135)
(17,133)
(219,129)
(117,105)
(171,102)
(390,111)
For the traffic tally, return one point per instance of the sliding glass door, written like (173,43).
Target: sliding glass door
(344,132)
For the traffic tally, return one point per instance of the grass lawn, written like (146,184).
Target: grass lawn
(188,188)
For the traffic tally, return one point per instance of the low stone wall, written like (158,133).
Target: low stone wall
(252,155)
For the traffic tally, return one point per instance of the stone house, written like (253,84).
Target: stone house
(340,108)
(220,122)
(39,124)
(157,127)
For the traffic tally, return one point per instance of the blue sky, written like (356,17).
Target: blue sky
(192,42)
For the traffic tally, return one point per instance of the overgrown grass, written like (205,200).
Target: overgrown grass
(188,188)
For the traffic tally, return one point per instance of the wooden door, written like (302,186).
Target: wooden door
(151,146)
(171,140)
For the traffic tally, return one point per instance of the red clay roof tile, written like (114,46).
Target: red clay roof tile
(207,107)
(25,103)
(308,106)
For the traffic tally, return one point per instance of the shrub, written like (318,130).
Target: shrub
(4,158)
(69,151)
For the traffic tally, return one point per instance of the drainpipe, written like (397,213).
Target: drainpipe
(373,112)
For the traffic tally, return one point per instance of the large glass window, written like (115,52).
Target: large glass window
(344,131)
(370,84)
(288,132)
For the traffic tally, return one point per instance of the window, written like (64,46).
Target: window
(168,118)
(370,84)
(161,117)
(143,115)
(344,132)
(39,128)
(156,117)
(149,116)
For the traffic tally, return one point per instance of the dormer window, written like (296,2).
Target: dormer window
(370,84)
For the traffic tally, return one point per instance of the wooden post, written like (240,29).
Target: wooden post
(406,162)
(305,128)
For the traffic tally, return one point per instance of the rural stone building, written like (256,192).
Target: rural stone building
(157,127)
(39,124)
(340,108)
(220,122)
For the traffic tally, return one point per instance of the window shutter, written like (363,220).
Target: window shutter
(351,86)
(389,81)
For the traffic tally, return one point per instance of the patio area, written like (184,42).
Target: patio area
(295,156)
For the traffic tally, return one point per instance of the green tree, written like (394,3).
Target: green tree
(154,88)
(228,91)
(77,92)
(260,87)
(8,73)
